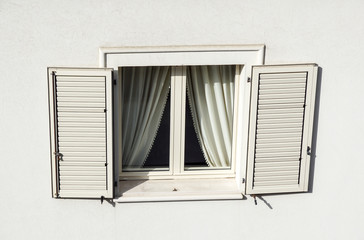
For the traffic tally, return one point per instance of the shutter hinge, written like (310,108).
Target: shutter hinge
(243,180)
(105,110)
(114,81)
(54,73)
(102,199)
(308,150)
(248,80)
(115,184)
(59,155)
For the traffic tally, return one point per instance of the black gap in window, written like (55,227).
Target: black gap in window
(193,153)
(159,154)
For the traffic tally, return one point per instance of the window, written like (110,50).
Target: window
(181,123)
(198,124)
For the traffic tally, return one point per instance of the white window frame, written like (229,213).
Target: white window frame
(245,55)
(177,168)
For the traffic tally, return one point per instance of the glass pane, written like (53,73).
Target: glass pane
(209,116)
(145,118)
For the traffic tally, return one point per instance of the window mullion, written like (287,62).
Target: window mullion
(178,100)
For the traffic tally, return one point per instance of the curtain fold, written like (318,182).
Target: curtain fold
(145,91)
(210,92)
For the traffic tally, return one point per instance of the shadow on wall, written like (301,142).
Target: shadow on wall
(315,129)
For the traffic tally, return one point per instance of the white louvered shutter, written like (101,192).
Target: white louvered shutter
(280,131)
(81,132)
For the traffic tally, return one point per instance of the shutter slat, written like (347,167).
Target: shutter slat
(263,149)
(84,154)
(279,116)
(86,132)
(81,109)
(289,76)
(85,167)
(82,99)
(263,170)
(81,187)
(277,120)
(272,159)
(280,130)
(278,140)
(280,99)
(76,148)
(276,163)
(81,120)
(83,144)
(282,96)
(81,104)
(290,183)
(82,178)
(80,79)
(89,164)
(282,144)
(272,136)
(89,159)
(279,125)
(282,86)
(82,173)
(82,114)
(84,84)
(298,109)
(277,154)
(77,138)
(282,81)
(82,124)
(81,94)
(81,89)
(83,183)
(284,176)
(282,91)
(280,106)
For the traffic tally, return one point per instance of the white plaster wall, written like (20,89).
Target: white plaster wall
(35,34)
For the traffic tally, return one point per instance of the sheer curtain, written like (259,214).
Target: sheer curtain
(210,92)
(145,91)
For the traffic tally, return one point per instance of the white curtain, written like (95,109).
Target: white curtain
(210,92)
(145,91)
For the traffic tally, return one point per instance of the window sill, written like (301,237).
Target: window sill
(178,190)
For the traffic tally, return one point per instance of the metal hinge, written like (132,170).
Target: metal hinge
(248,80)
(114,81)
(59,155)
(243,180)
(308,150)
